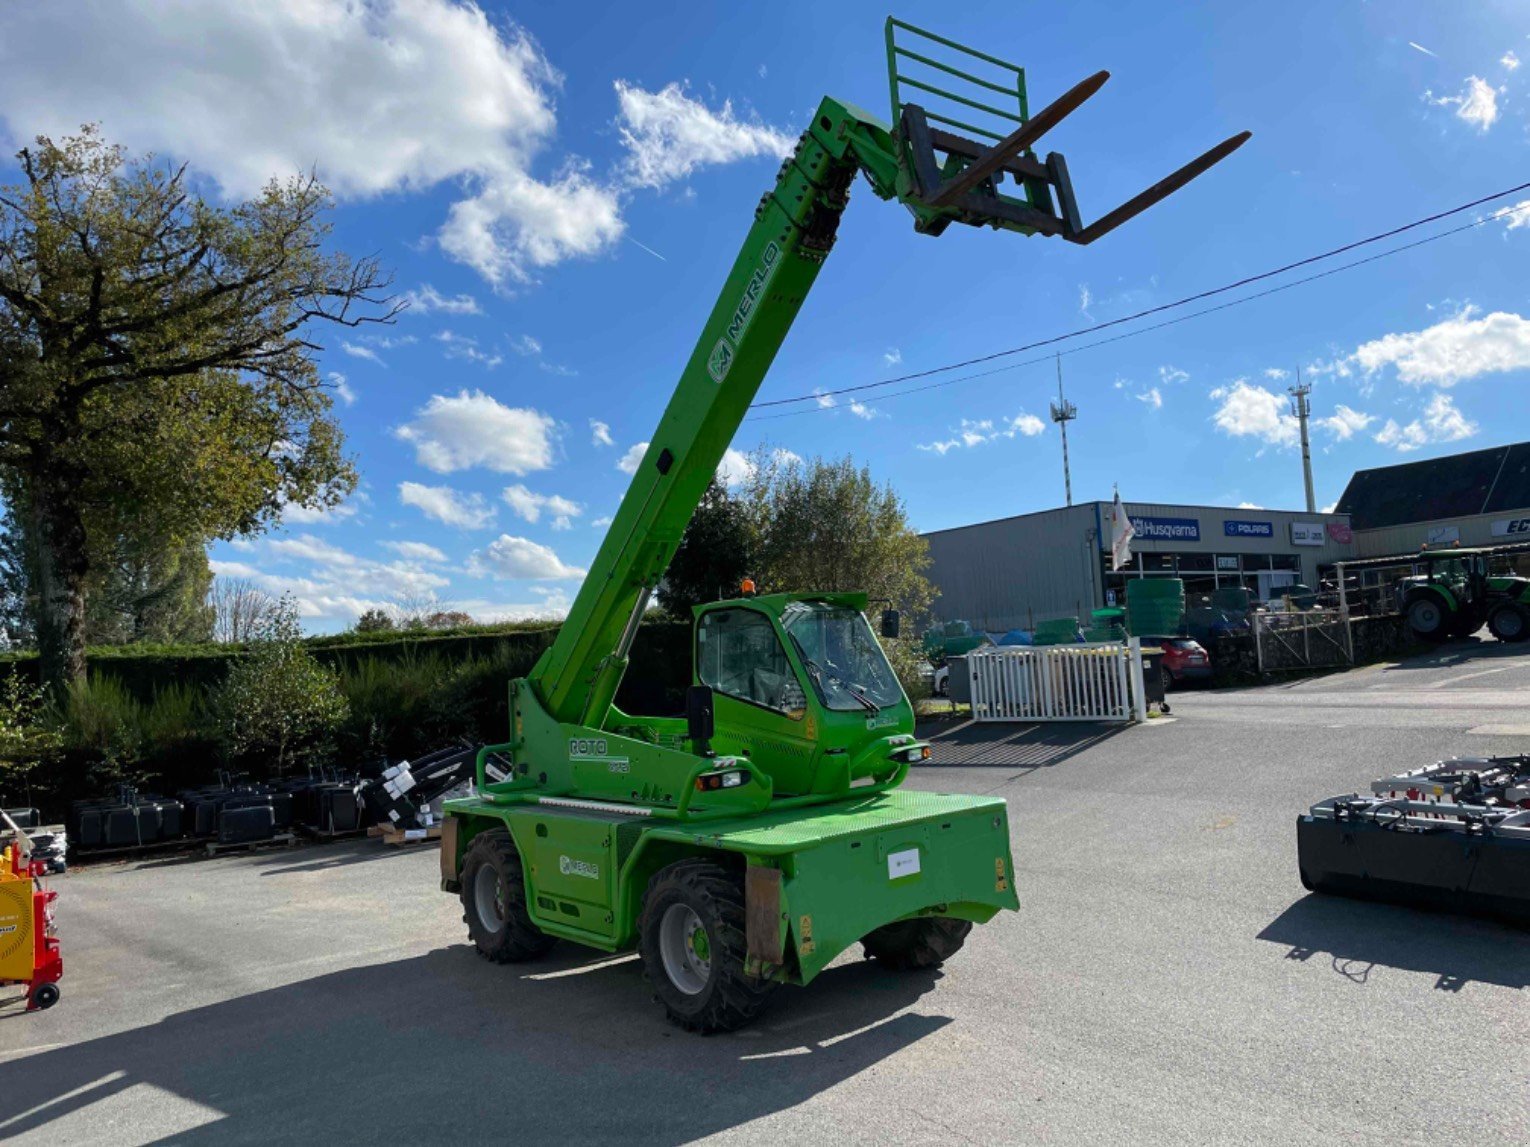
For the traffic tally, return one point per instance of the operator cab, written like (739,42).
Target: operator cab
(801,687)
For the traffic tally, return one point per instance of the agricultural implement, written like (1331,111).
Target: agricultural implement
(1453,837)
(751,842)
(29,950)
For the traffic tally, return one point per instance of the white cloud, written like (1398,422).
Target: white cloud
(1510,61)
(1084,299)
(455,508)
(668,135)
(509,557)
(474,429)
(1344,423)
(295,515)
(975,432)
(629,462)
(1151,397)
(735,468)
(464,346)
(336,580)
(1441,422)
(358,351)
(1517,216)
(526,346)
(1459,348)
(1249,411)
(861,410)
(1168,375)
(342,388)
(416,551)
(1276,374)
(1330,508)
(825,401)
(530,506)
(600,433)
(1477,104)
(554,604)
(426,299)
(892,356)
(1249,506)
(600,523)
(1421,48)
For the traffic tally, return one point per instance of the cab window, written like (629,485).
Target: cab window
(738,654)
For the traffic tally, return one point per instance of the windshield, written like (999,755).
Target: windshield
(843,660)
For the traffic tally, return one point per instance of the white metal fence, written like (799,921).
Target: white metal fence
(1096,682)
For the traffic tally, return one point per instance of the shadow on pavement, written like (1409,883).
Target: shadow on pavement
(969,743)
(447,1046)
(1358,935)
(1465,651)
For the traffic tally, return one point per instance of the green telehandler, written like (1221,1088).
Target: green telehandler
(752,841)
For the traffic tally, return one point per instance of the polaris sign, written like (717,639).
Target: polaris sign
(1512,528)
(1167,529)
(1248,529)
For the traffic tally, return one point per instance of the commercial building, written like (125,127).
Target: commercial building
(1016,571)
(1480,498)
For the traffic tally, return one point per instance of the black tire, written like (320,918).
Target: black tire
(909,945)
(44,996)
(1167,678)
(721,997)
(511,937)
(1509,622)
(1428,618)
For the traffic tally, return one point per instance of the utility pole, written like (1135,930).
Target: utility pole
(1303,410)
(1064,412)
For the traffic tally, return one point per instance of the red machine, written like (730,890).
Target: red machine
(29,950)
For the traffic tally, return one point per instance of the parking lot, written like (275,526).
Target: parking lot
(1166,980)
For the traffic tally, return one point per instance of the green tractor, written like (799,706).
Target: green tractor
(1458,591)
(749,843)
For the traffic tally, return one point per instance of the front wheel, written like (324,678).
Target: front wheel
(1426,617)
(1509,622)
(694,948)
(494,902)
(924,942)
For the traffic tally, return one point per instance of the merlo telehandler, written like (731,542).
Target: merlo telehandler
(751,842)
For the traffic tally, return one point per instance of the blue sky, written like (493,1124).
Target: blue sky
(560,189)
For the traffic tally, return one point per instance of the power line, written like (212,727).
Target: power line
(1197,297)
(821,408)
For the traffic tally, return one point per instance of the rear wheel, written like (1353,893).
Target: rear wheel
(44,996)
(494,902)
(1428,619)
(694,948)
(925,942)
(1509,622)
(1167,678)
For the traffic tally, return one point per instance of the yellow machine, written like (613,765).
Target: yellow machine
(29,952)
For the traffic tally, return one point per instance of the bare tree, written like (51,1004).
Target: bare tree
(241,609)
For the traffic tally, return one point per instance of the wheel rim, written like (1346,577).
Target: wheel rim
(1510,623)
(685,949)
(489,898)
(1426,616)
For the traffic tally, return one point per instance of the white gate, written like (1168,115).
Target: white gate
(1100,682)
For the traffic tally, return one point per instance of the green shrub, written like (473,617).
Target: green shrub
(27,742)
(99,724)
(278,705)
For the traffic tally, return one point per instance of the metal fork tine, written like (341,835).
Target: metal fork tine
(1160,190)
(1019,139)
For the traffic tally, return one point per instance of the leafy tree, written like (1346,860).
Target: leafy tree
(447,619)
(374,621)
(279,702)
(713,557)
(150,594)
(157,373)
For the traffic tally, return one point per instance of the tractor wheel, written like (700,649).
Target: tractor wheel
(908,945)
(1509,622)
(693,948)
(1428,619)
(494,902)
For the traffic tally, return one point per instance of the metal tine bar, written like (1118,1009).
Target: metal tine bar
(973,128)
(1018,140)
(1160,190)
(949,70)
(906,26)
(982,107)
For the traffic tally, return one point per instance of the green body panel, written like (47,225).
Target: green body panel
(586,870)
(1513,588)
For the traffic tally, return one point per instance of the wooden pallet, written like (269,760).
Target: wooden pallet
(398,837)
(281,838)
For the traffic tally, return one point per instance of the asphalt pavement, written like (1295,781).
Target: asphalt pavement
(1166,980)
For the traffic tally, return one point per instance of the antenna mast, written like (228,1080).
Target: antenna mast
(1302,409)
(1064,412)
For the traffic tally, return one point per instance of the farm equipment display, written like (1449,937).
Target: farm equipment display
(1454,836)
(29,950)
(749,843)
(1459,590)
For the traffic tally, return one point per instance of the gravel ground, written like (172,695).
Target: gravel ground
(1166,980)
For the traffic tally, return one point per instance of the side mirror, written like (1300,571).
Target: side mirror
(892,623)
(699,722)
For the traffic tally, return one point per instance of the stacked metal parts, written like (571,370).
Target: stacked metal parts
(1454,836)
(49,842)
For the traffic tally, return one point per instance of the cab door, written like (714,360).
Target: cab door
(761,710)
